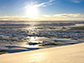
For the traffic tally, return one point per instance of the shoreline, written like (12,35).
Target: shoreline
(65,54)
(22,48)
(34,49)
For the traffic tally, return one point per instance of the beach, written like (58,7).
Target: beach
(63,54)
(38,42)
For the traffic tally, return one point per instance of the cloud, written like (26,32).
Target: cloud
(44,4)
(77,1)
(65,16)
(46,16)
(51,0)
(16,18)
(69,15)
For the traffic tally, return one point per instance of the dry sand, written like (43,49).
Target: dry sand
(62,54)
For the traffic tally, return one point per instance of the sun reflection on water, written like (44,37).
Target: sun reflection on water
(32,46)
(32,40)
(32,29)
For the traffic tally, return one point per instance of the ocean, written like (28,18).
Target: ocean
(41,33)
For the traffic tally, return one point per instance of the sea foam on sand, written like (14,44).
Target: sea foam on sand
(64,54)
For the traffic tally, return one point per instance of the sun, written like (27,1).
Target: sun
(32,11)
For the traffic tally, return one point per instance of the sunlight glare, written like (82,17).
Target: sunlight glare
(32,46)
(32,12)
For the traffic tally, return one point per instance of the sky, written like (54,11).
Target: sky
(41,10)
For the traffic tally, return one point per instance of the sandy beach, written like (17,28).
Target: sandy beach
(64,54)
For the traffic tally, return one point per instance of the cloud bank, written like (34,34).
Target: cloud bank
(65,16)
(69,15)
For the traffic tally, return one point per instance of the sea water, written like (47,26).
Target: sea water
(46,33)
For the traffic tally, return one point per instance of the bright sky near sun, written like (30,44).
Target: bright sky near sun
(42,10)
